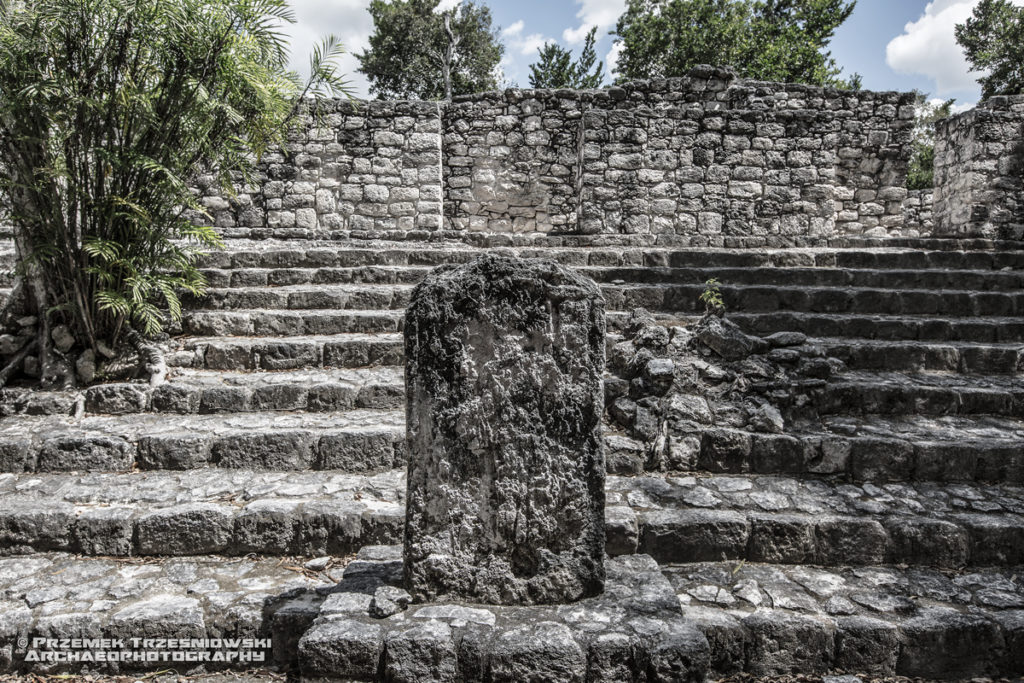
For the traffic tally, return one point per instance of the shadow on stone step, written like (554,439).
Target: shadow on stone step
(365,629)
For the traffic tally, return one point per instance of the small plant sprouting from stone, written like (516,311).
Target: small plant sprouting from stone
(712,298)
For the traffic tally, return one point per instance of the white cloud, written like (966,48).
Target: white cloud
(514,30)
(928,46)
(349,20)
(446,5)
(612,58)
(524,45)
(600,13)
(957,108)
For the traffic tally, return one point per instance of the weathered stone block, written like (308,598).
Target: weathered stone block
(945,643)
(190,529)
(850,540)
(174,451)
(116,399)
(264,451)
(87,453)
(538,652)
(504,360)
(105,531)
(161,616)
(356,451)
(266,527)
(783,642)
(342,648)
(694,535)
(16,455)
(867,645)
(424,652)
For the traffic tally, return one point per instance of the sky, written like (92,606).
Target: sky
(893,44)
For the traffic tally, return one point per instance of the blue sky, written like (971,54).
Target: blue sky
(893,44)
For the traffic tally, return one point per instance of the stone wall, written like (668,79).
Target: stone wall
(511,161)
(710,154)
(917,213)
(352,166)
(979,171)
(704,155)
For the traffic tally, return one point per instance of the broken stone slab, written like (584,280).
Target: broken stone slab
(635,631)
(504,364)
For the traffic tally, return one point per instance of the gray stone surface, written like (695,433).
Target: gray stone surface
(978,171)
(633,632)
(673,518)
(680,156)
(881,621)
(63,596)
(506,462)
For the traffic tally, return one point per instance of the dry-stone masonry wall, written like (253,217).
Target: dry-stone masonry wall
(711,155)
(707,156)
(353,166)
(979,171)
(917,213)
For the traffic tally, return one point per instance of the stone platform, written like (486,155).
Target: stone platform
(635,631)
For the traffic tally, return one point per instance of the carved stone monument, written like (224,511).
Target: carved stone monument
(505,505)
(503,564)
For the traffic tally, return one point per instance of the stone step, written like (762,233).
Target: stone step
(319,254)
(885,327)
(944,279)
(620,240)
(759,618)
(63,596)
(785,520)
(200,512)
(206,391)
(762,619)
(772,620)
(673,519)
(308,297)
(272,323)
(977,280)
(920,356)
(654,297)
(361,350)
(276,277)
(872,448)
(748,299)
(288,352)
(345,441)
(354,422)
(921,394)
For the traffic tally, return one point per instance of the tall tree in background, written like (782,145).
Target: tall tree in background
(776,40)
(417,52)
(555,69)
(993,41)
(108,110)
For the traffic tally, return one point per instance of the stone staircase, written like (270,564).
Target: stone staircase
(887,537)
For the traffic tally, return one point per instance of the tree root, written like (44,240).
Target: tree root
(17,360)
(15,306)
(151,357)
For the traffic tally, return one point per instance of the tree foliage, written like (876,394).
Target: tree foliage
(921,171)
(774,40)
(417,52)
(108,109)
(993,42)
(556,68)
